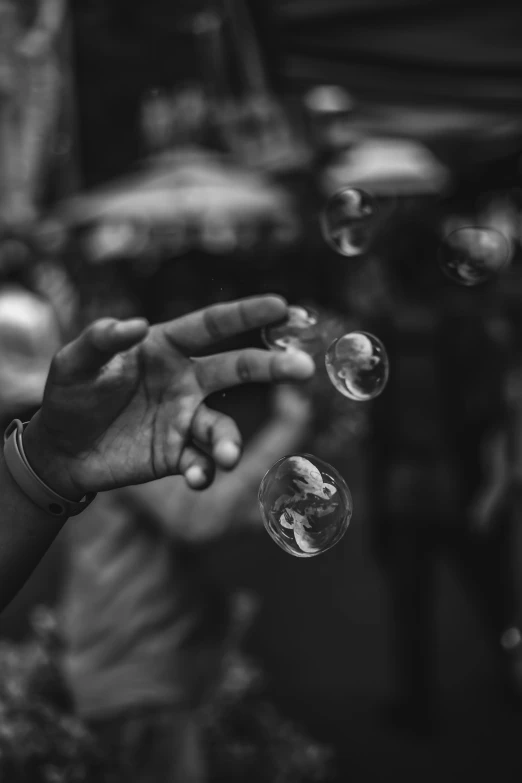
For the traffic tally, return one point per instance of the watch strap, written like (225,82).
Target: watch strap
(31,484)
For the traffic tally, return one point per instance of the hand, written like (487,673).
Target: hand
(124,402)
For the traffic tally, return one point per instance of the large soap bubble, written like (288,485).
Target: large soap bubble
(472,255)
(348,221)
(305,504)
(358,365)
(300,331)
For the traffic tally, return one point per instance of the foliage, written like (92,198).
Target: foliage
(43,741)
(248,738)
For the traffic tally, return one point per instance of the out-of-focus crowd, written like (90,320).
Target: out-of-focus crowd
(196,178)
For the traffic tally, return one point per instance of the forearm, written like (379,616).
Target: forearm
(26,533)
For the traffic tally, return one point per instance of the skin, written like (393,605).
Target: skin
(231,501)
(124,405)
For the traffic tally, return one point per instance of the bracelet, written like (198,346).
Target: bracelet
(33,486)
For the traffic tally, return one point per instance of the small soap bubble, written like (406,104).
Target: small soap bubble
(348,221)
(471,255)
(300,330)
(358,365)
(305,504)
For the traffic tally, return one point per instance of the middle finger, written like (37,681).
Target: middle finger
(251,365)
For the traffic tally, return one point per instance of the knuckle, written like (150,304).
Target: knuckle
(209,424)
(244,368)
(99,331)
(211,321)
(244,315)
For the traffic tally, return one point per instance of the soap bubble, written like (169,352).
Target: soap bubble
(299,330)
(471,255)
(348,221)
(305,504)
(358,366)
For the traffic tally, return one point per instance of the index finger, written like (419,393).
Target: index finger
(196,331)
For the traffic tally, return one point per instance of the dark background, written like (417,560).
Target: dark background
(323,627)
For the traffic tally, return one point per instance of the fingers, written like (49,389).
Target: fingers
(97,344)
(252,365)
(195,332)
(197,468)
(219,434)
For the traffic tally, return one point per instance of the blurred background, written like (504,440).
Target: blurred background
(159,157)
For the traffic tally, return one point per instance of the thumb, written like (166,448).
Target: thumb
(97,344)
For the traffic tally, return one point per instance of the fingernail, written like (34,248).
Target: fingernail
(131,323)
(298,364)
(195,476)
(227,452)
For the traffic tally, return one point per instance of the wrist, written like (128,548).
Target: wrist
(50,465)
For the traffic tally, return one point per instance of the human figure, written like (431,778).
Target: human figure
(32,83)
(124,404)
(444,409)
(145,627)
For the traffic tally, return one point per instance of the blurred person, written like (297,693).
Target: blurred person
(145,627)
(37,300)
(32,87)
(441,466)
(123,404)
(36,315)
(36,297)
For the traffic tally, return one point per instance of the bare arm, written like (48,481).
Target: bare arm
(26,533)
(124,404)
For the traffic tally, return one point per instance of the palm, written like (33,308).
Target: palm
(125,404)
(133,418)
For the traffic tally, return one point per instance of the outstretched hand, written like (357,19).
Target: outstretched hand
(124,403)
